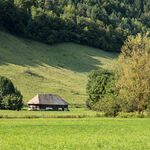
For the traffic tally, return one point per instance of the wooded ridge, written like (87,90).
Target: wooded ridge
(104,24)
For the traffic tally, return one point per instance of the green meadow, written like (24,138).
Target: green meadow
(60,69)
(63,69)
(75,134)
(72,113)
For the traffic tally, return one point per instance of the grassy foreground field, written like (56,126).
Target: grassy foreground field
(75,134)
(60,69)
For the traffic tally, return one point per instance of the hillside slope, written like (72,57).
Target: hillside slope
(38,68)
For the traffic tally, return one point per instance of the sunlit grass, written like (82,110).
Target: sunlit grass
(72,113)
(60,69)
(75,134)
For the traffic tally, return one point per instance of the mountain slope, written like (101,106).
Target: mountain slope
(39,68)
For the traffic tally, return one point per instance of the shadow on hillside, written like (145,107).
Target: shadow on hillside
(29,53)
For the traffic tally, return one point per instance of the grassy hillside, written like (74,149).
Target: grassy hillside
(38,68)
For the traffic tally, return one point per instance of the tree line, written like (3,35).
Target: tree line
(104,24)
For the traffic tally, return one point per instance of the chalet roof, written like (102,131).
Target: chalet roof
(47,99)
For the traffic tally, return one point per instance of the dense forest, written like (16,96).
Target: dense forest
(104,24)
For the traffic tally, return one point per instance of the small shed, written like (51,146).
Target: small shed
(47,102)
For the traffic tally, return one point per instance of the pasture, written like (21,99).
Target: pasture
(73,113)
(75,134)
(60,69)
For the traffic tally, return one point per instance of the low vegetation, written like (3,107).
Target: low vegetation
(72,113)
(61,134)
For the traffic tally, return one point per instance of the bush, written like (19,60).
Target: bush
(128,115)
(13,102)
(10,97)
(109,105)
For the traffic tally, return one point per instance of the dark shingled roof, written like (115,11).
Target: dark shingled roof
(47,99)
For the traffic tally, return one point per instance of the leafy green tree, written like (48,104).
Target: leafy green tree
(10,97)
(134,74)
(100,84)
(102,92)
(12,102)
(6,87)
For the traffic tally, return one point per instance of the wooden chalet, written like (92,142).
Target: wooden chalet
(47,102)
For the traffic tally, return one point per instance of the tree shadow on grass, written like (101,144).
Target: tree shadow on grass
(22,52)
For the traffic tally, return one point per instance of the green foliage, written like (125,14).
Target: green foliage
(11,18)
(131,91)
(110,105)
(130,115)
(134,75)
(10,97)
(103,24)
(6,87)
(13,102)
(100,86)
(96,87)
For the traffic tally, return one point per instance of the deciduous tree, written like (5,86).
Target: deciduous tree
(134,73)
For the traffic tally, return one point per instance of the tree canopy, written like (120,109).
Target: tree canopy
(103,24)
(10,97)
(128,88)
(134,73)
(100,84)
